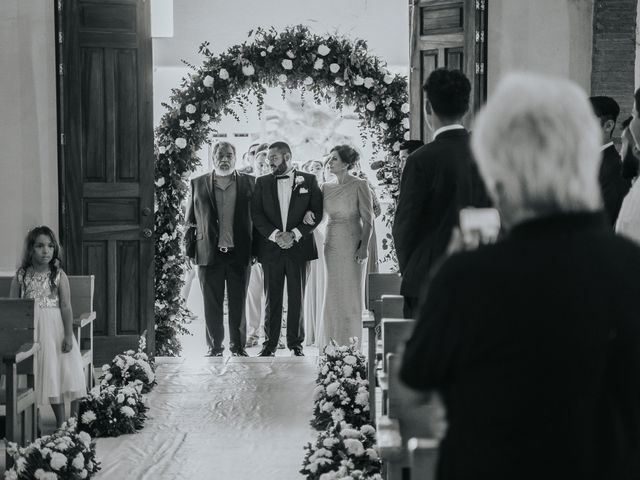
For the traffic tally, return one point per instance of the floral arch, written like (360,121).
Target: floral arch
(330,67)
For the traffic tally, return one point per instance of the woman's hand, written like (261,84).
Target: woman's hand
(361,255)
(67,343)
(309,218)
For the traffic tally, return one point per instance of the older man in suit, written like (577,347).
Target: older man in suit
(438,180)
(220,212)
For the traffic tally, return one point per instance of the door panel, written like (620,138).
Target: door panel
(108,164)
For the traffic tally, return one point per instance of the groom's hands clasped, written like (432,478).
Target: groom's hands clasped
(285,239)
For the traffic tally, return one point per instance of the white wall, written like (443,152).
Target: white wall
(28,157)
(545,36)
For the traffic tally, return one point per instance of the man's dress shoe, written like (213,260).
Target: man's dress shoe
(265,352)
(297,352)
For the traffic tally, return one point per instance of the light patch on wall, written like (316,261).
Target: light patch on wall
(162,18)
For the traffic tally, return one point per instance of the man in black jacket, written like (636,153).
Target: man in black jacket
(220,212)
(613,185)
(438,180)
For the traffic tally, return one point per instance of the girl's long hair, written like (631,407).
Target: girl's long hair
(27,254)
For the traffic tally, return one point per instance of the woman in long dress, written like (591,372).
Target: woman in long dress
(348,209)
(314,290)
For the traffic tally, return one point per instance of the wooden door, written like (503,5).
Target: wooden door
(107,167)
(446,34)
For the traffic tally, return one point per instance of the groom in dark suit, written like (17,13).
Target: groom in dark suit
(286,244)
(438,180)
(220,212)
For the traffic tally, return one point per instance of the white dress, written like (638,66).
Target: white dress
(59,376)
(314,290)
(347,206)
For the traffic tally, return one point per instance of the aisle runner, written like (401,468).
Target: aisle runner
(232,418)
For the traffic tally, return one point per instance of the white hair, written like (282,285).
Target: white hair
(537,144)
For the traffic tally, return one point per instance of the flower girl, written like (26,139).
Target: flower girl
(59,374)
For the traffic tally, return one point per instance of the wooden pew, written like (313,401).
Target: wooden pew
(379,284)
(18,349)
(410,416)
(395,333)
(81,288)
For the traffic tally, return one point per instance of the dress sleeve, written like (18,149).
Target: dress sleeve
(365,203)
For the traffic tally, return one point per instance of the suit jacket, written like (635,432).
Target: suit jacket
(202,214)
(266,217)
(613,185)
(438,180)
(534,343)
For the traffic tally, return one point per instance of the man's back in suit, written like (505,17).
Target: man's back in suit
(613,185)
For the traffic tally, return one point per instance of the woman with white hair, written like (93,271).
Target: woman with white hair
(534,342)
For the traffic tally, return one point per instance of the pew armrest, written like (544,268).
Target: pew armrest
(389,438)
(25,351)
(423,456)
(368,320)
(84,319)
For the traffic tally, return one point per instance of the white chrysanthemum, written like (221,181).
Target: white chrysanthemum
(248,70)
(189,109)
(405,122)
(354,447)
(332,389)
(350,433)
(88,417)
(180,143)
(337,415)
(368,430)
(323,50)
(21,464)
(329,442)
(78,462)
(205,117)
(11,475)
(372,454)
(282,78)
(58,460)
(39,474)
(328,407)
(384,126)
(223,74)
(350,359)
(362,398)
(287,64)
(106,367)
(85,438)
(208,81)
(318,64)
(334,68)
(330,350)
(368,82)
(83,473)
(263,53)
(120,398)
(405,108)
(131,401)
(127,411)
(388,78)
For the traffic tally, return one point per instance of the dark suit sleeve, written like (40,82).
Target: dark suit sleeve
(430,353)
(190,220)
(614,186)
(260,220)
(410,206)
(255,235)
(630,165)
(315,204)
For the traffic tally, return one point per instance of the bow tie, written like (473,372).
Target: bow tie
(282,177)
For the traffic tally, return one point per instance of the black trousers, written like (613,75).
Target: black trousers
(274,276)
(410,308)
(225,270)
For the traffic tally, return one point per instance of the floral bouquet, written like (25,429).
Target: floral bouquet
(343,451)
(129,367)
(65,455)
(342,399)
(110,411)
(344,361)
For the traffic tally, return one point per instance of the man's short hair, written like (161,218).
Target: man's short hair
(411,145)
(282,147)
(221,144)
(448,92)
(605,108)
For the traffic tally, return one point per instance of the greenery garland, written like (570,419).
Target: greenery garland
(331,67)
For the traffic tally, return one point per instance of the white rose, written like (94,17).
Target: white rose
(223,74)
(270,48)
(396,147)
(85,438)
(368,82)
(388,78)
(334,67)
(354,447)
(83,473)
(384,126)
(323,50)
(371,106)
(405,108)
(318,64)
(248,70)
(208,81)
(340,81)
(282,78)
(350,359)
(205,117)
(368,430)
(106,367)
(287,64)
(162,149)
(88,417)
(308,81)
(78,462)
(263,53)
(407,135)
(290,54)
(127,411)
(405,122)
(58,460)
(358,80)
(120,398)
(180,143)
(190,109)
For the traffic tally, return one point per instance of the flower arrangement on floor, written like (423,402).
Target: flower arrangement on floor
(345,447)
(331,67)
(130,367)
(343,452)
(64,455)
(110,411)
(342,391)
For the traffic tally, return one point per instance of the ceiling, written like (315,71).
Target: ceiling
(224,23)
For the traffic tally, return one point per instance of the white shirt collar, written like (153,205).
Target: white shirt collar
(605,146)
(446,128)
